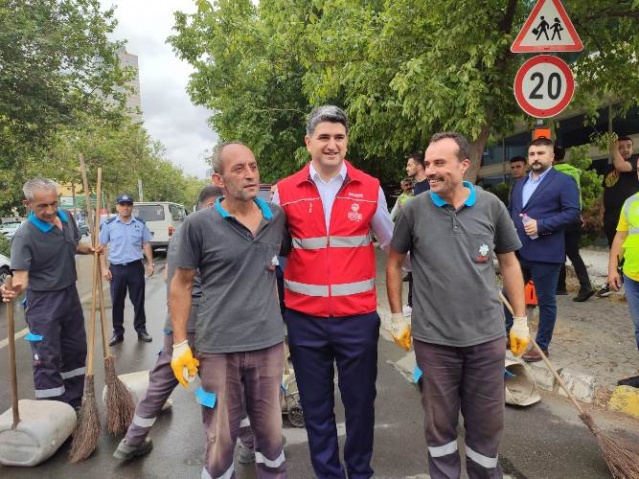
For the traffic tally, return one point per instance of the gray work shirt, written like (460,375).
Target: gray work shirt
(46,252)
(239,310)
(455,295)
(196,292)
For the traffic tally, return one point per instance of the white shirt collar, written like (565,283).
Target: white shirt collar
(315,176)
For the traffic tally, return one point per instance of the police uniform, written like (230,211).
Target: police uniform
(126,241)
(54,312)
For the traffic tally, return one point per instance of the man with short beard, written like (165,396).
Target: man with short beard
(543,205)
(239,332)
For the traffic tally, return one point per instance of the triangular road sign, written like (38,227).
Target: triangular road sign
(547,29)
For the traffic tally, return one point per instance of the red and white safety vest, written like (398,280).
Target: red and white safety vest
(330,273)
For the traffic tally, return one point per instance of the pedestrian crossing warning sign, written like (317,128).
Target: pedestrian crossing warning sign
(547,29)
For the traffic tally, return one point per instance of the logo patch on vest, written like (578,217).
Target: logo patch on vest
(354,214)
(355,195)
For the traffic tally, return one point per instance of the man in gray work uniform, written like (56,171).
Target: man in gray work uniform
(239,328)
(43,260)
(162,382)
(454,232)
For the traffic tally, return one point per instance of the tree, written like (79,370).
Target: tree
(402,69)
(56,67)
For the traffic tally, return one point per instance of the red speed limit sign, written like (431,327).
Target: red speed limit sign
(544,86)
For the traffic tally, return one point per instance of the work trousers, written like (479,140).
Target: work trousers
(131,277)
(572,236)
(162,382)
(316,345)
(610,221)
(545,277)
(58,343)
(470,379)
(249,379)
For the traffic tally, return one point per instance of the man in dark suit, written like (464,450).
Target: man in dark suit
(543,204)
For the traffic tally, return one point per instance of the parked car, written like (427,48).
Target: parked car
(9,228)
(162,218)
(83,227)
(5,267)
(265,192)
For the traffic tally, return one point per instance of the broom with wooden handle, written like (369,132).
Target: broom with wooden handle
(85,438)
(622,457)
(11,331)
(119,401)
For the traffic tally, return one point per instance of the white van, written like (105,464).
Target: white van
(162,218)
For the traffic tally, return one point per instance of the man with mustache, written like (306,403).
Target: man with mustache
(543,205)
(454,233)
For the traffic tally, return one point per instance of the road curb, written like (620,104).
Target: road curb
(582,385)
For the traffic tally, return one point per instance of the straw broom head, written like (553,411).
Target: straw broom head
(622,457)
(119,402)
(85,438)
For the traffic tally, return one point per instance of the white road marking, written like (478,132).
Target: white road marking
(18,335)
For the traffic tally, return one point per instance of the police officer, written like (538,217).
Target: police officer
(128,237)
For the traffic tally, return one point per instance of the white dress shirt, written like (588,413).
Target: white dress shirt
(381,223)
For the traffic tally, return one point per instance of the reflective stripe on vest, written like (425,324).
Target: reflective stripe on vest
(333,241)
(628,205)
(321,291)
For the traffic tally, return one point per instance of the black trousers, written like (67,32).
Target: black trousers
(128,277)
(610,226)
(572,237)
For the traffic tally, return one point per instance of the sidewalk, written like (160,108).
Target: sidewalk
(593,344)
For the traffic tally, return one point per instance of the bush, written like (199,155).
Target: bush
(5,245)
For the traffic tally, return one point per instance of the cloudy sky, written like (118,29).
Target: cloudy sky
(169,115)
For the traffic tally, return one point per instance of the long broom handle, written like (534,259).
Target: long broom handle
(11,331)
(105,343)
(85,184)
(545,359)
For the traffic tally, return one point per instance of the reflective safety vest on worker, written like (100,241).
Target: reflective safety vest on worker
(330,273)
(629,221)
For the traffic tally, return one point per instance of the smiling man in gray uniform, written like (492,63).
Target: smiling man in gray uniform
(43,261)
(239,328)
(454,232)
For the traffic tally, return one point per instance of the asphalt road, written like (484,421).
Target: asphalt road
(544,441)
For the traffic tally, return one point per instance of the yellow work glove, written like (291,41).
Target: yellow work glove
(183,363)
(400,330)
(519,335)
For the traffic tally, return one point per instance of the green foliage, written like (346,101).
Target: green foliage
(5,246)
(403,70)
(590,181)
(501,190)
(62,93)
(56,67)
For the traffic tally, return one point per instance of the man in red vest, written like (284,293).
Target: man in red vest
(331,304)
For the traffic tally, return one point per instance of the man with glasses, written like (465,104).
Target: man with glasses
(43,262)
(128,239)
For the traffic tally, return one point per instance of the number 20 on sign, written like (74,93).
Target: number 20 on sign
(544,86)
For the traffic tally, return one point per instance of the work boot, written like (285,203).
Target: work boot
(583,296)
(604,292)
(124,452)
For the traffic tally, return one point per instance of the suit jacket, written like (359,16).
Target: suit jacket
(555,206)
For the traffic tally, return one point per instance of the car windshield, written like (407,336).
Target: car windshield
(149,212)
